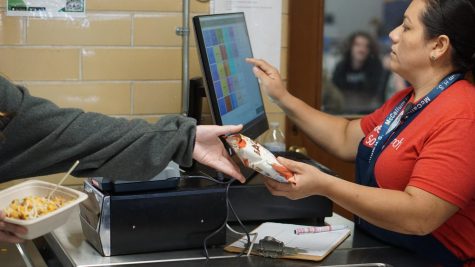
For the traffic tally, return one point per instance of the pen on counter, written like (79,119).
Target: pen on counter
(318,229)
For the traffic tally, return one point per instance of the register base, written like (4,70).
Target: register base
(140,222)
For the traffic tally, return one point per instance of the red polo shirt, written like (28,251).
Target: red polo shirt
(436,153)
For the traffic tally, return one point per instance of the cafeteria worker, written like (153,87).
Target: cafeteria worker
(415,170)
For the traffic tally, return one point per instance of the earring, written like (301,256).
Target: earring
(433,58)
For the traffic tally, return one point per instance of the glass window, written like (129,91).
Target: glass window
(356,78)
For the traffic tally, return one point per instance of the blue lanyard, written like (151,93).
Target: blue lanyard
(394,119)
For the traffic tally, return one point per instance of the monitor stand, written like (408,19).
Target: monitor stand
(195,99)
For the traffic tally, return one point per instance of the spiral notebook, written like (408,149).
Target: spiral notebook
(316,245)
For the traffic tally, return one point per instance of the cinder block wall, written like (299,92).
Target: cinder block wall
(123,59)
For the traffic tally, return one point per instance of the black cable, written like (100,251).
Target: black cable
(221,227)
(228,207)
(248,244)
(209,178)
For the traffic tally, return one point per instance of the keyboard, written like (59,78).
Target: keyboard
(304,159)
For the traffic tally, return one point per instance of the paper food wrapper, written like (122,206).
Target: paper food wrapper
(258,158)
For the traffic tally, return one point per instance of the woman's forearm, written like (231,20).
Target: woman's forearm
(409,212)
(333,133)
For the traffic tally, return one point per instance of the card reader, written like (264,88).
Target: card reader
(168,178)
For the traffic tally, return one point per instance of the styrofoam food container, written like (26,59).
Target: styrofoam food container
(48,222)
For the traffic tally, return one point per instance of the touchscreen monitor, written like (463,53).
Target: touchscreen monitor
(232,90)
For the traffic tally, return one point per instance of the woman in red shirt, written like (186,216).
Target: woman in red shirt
(415,179)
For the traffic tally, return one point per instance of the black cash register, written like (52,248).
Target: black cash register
(165,213)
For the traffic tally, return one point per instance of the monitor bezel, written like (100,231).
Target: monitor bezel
(255,127)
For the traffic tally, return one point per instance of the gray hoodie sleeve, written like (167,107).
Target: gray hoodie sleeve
(41,138)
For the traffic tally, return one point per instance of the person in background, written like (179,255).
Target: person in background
(415,176)
(358,75)
(38,138)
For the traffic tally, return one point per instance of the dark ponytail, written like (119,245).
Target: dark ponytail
(456,19)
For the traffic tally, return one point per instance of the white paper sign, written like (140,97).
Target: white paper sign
(46,8)
(264,22)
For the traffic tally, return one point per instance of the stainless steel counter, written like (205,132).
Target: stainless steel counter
(66,246)
(10,257)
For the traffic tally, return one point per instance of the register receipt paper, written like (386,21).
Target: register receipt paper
(316,245)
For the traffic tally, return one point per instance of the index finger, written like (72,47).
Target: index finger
(229,129)
(10,238)
(262,64)
(271,183)
(292,165)
(230,168)
(13,228)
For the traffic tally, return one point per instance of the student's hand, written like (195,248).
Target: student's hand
(270,79)
(309,181)
(9,231)
(209,150)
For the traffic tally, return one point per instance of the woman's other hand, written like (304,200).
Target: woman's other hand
(269,78)
(309,181)
(9,232)
(210,151)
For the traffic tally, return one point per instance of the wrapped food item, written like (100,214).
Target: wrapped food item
(258,158)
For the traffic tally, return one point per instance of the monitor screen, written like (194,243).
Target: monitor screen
(232,90)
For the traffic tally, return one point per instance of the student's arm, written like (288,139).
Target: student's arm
(42,138)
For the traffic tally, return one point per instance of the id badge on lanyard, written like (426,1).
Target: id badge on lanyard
(397,117)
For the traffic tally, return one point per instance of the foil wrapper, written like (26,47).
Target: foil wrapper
(255,156)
